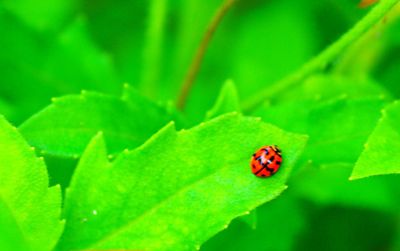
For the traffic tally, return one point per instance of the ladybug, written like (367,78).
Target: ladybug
(266,161)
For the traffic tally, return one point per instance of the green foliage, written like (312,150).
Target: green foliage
(91,86)
(380,150)
(214,172)
(11,237)
(30,210)
(329,185)
(227,101)
(67,63)
(42,15)
(333,122)
(275,230)
(65,127)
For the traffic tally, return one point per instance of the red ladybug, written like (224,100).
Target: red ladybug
(266,161)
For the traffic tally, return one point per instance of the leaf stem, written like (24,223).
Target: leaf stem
(320,62)
(198,57)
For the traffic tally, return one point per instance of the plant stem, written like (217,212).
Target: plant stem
(198,57)
(152,50)
(320,62)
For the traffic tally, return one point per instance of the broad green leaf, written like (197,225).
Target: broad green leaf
(11,237)
(338,129)
(329,185)
(42,15)
(227,101)
(380,155)
(24,192)
(293,108)
(162,195)
(66,126)
(340,123)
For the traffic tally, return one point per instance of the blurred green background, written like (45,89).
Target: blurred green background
(53,48)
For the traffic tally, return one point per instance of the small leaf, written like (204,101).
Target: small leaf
(380,154)
(65,127)
(227,101)
(162,195)
(24,192)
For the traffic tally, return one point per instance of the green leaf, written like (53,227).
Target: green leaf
(227,101)
(37,68)
(341,124)
(161,195)
(42,15)
(356,229)
(338,117)
(321,87)
(326,57)
(83,65)
(66,126)
(380,154)
(278,224)
(271,40)
(6,109)
(329,185)
(11,237)
(24,191)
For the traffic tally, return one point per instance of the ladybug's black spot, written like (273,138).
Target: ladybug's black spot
(259,171)
(271,170)
(252,165)
(278,162)
(263,175)
(272,158)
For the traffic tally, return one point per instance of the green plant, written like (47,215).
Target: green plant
(100,165)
